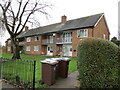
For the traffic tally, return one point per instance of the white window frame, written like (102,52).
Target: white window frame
(27,48)
(36,48)
(85,33)
(8,48)
(50,39)
(104,36)
(28,39)
(67,37)
(36,38)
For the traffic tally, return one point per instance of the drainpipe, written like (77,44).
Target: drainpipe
(54,44)
(92,32)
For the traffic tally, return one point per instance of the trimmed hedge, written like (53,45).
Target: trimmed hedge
(98,63)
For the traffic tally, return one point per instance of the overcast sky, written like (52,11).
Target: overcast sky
(80,8)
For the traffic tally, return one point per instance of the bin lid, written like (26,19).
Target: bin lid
(66,59)
(57,59)
(48,61)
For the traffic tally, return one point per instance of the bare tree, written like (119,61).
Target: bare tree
(15,17)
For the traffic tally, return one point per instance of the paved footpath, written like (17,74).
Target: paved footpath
(70,82)
(5,85)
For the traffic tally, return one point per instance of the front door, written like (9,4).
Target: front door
(67,50)
(49,50)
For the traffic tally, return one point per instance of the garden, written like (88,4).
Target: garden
(25,65)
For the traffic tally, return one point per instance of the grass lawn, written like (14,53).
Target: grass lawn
(72,65)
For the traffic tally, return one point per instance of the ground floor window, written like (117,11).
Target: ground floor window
(27,48)
(36,48)
(67,50)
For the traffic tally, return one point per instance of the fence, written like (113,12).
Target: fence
(19,72)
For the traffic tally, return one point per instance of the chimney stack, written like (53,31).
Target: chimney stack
(26,28)
(63,19)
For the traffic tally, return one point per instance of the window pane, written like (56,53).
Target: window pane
(28,48)
(28,39)
(35,48)
(36,38)
(104,36)
(83,33)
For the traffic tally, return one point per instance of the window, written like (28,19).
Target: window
(36,48)
(83,33)
(50,39)
(36,38)
(8,48)
(28,48)
(28,39)
(104,36)
(67,37)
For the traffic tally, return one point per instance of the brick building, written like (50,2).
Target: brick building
(62,38)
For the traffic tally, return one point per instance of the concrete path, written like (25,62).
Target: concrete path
(70,82)
(5,85)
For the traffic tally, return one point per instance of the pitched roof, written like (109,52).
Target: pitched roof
(21,34)
(79,23)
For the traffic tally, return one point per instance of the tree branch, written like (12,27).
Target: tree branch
(27,19)
(7,6)
(5,17)
(20,4)
(21,16)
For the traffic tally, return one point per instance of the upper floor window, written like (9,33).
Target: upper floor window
(36,48)
(36,38)
(28,39)
(104,36)
(50,39)
(67,37)
(82,33)
(27,48)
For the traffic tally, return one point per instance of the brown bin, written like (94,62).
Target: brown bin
(49,72)
(63,66)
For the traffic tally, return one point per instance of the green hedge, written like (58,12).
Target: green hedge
(98,63)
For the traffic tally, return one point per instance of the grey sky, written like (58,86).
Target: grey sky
(80,8)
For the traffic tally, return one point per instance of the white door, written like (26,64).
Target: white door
(70,50)
(67,50)
(49,50)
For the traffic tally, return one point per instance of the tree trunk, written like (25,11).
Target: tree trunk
(16,53)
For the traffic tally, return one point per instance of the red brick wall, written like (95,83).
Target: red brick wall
(75,40)
(98,31)
(33,43)
(101,29)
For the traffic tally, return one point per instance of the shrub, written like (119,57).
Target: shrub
(98,63)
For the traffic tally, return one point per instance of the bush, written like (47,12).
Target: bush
(98,63)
